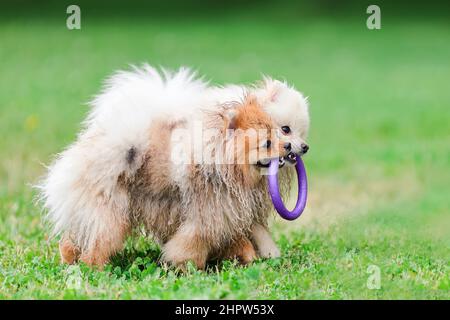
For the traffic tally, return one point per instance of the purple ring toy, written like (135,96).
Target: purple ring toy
(275,192)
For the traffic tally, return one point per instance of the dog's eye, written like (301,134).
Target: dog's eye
(268,144)
(286,129)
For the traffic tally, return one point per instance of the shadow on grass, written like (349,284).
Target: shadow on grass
(141,256)
(135,261)
(126,258)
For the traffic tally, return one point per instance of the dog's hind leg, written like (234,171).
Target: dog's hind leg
(70,253)
(107,238)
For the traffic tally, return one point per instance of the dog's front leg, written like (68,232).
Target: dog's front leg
(241,249)
(265,245)
(187,244)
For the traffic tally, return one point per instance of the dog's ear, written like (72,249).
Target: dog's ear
(229,117)
(272,89)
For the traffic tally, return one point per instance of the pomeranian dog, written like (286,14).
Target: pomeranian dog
(179,157)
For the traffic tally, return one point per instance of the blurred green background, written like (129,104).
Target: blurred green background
(378,166)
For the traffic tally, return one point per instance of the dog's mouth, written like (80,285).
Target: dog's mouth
(290,157)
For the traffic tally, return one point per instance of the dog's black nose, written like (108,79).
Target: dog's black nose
(304,147)
(288,146)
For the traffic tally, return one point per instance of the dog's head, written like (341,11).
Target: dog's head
(270,122)
(289,110)
(251,134)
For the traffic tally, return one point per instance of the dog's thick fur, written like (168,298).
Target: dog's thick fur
(120,172)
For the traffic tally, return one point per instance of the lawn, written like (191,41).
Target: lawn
(378,168)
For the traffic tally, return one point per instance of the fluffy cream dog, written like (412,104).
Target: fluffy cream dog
(135,163)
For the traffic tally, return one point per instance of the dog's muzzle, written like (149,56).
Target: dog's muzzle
(290,157)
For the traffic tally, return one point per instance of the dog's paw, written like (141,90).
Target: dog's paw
(242,250)
(247,255)
(269,251)
(177,254)
(68,251)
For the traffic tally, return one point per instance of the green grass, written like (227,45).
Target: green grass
(378,166)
